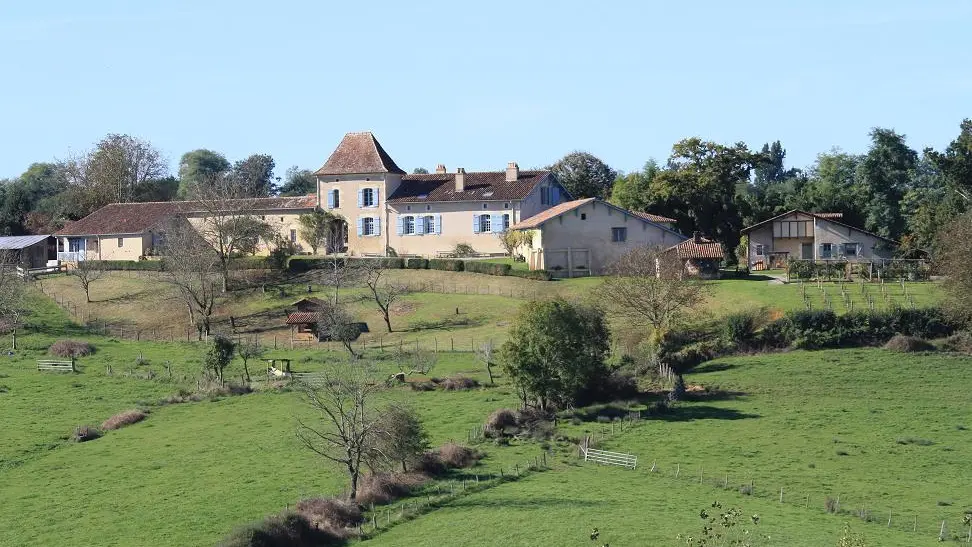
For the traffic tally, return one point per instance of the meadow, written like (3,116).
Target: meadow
(884,431)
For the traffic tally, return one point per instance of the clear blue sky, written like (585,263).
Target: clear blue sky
(477,84)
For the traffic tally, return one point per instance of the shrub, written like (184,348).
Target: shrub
(488,268)
(740,327)
(71,348)
(537,275)
(417,263)
(129,265)
(960,342)
(385,487)
(421,386)
(908,344)
(84,433)
(257,262)
(463,250)
(457,456)
(286,530)
(330,513)
(459,383)
(122,419)
(500,420)
(429,463)
(446,264)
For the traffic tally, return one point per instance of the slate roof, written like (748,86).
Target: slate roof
(11,243)
(359,153)
(698,248)
(479,186)
(137,218)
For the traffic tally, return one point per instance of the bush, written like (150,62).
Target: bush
(417,263)
(960,342)
(537,275)
(330,513)
(459,383)
(500,420)
(740,327)
(385,487)
(122,419)
(446,264)
(908,344)
(430,464)
(463,250)
(71,348)
(256,262)
(129,265)
(286,530)
(457,456)
(421,386)
(488,268)
(825,329)
(84,433)
(390,262)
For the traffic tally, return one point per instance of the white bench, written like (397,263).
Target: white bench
(56,366)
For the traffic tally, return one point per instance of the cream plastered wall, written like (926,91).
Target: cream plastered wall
(456,226)
(348,187)
(117,247)
(282,223)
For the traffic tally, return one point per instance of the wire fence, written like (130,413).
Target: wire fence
(954,527)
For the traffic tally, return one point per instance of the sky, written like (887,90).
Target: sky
(478,84)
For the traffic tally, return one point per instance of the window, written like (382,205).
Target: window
(484,206)
(293,236)
(792,228)
(368,197)
(484,224)
(759,249)
(583,216)
(281,219)
(619,234)
(121,241)
(408,225)
(336,198)
(506,222)
(428,224)
(408,207)
(506,205)
(826,250)
(850,250)
(263,217)
(367,226)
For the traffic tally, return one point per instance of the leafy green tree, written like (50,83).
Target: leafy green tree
(584,175)
(197,168)
(219,354)
(885,174)
(831,186)
(953,254)
(298,182)
(955,163)
(420,171)
(556,351)
(633,190)
(927,206)
(254,176)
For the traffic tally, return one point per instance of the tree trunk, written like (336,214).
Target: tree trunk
(354,482)
(404,469)
(246,370)
(385,313)
(489,371)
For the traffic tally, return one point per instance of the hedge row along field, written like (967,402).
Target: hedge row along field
(300,264)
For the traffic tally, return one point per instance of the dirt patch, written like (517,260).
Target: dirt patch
(694,388)
(403,308)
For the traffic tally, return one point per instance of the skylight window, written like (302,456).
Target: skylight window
(487,194)
(423,196)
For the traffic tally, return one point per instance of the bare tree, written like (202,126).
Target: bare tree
(334,322)
(87,272)
(192,266)
(249,349)
(383,291)
(343,426)
(338,272)
(400,437)
(12,289)
(646,285)
(487,355)
(416,362)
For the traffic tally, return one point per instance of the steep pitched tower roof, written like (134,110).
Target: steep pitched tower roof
(359,153)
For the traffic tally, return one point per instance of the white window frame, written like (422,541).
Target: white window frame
(408,225)
(506,221)
(485,223)
(368,194)
(428,224)
(367,226)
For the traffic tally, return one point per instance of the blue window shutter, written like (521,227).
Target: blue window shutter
(419,225)
(495,223)
(475,224)
(556,195)
(376,197)
(377,226)
(360,197)
(400,225)
(359,226)
(330,199)
(437,219)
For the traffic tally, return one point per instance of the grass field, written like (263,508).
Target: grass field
(884,431)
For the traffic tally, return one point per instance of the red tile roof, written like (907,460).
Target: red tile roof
(698,248)
(136,218)
(358,153)
(301,318)
(482,186)
(829,215)
(543,216)
(653,218)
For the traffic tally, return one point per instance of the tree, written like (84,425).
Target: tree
(953,255)
(382,290)
(487,355)
(254,176)
(337,272)
(120,165)
(219,354)
(249,349)
(12,291)
(584,175)
(318,229)
(192,266)
(955,163)
(646,286)
(199,167)
(556,351)
(400,437)
(633,190)
(334,322)
(87,272)
(420,171)
(416,362)
(298,182)
(885,174)
(343,425)
(514,239)
(832,186)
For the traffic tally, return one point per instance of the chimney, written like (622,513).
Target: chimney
(512,171)
(460,180)
(440,169)
(697,237)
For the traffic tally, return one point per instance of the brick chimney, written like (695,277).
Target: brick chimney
(512,171)
(440,169)
(460,180)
